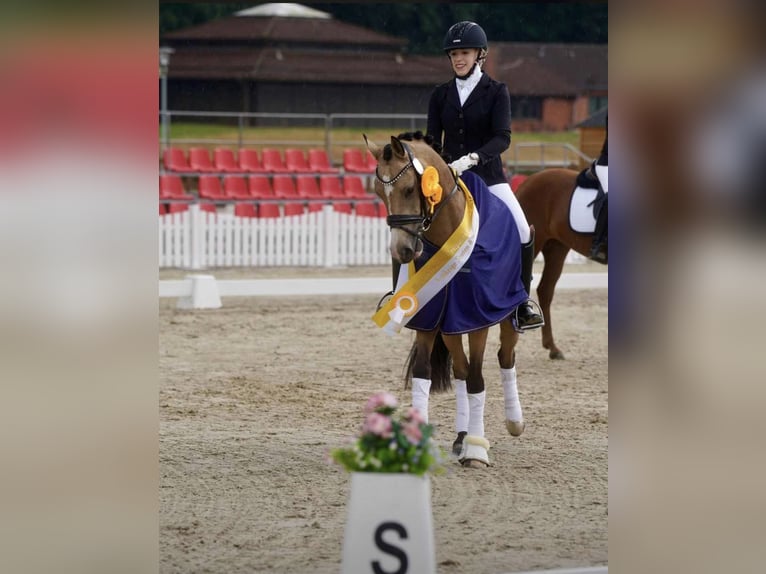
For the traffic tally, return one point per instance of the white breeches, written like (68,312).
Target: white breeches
(503,191)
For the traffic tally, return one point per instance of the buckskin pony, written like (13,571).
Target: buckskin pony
(460,274)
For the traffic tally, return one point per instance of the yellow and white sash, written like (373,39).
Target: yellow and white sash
(415,289)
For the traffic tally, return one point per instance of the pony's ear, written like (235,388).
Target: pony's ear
(398,148)
(375,150)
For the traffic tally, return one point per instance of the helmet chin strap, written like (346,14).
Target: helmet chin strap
(476,63)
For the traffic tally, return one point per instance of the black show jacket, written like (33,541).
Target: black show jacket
(482,125)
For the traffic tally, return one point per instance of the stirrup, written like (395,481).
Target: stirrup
(380,303)
(515,317)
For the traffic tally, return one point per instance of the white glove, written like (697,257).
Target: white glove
(465,163)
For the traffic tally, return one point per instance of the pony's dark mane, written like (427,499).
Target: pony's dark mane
(415,136)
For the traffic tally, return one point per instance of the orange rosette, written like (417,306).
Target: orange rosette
(430,186)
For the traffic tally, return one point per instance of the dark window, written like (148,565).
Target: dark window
(595,103)
(523,107)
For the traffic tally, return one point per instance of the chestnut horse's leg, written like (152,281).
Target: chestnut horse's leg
(506,356)
(554,254)
(476,446)
(421,370)
(454,344)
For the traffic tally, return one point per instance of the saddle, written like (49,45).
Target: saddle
(587,179)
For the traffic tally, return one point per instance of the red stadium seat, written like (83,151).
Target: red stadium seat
(177,207)
(294,208)
(382,211)
(295,160)
(210,187)
(316,206)
(272,161)
(199,160)
(307,186)
(171,187)
(353,186)
(163,209)
(249,161)
(366,209)
(260,187)
(235,187)
(245,210)
(342,206)
(516,181)
(372,163)
(205,206)
(284,187)
(355,162)
(175,159)
(329,187)
(318,162)
(223,160)
(268,210)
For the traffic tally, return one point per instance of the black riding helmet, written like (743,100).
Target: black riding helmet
(465,35)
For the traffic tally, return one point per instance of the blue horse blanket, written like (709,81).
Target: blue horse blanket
(488,287)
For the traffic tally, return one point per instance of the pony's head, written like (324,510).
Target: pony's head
(408,179)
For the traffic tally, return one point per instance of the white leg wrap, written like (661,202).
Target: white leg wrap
(475,448)
(514,421)
(461,399)
(420,390)
(476,413)
(503,191)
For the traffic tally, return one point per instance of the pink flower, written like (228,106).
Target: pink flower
(380,401)
(412,431)
(378,424)
(413,414)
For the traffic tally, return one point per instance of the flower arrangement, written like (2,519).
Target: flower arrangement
(391,441)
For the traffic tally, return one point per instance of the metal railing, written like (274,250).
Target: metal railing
(572,157)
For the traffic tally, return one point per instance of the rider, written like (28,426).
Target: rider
(600,169)
(473,113)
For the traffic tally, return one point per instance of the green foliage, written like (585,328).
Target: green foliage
(391,442)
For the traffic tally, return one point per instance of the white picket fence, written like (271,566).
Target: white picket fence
(196,239)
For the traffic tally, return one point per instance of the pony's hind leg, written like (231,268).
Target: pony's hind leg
(554,254)
(454,344)
(506,356)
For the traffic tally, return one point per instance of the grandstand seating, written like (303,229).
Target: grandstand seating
(174,159)
(260,187)
(382,211)
(199,160)
(268,210)
(250,161)
(206,206)
(353,186)
(367,209)
(177,207)
(284,186)
(316,206)
(372,163)
(272,161)
(235,187)
(224,160)
(516,181)
(319,162)
(355,162)
(210,187)
(163,209)
(295,160)
(330,187)
(307,186)
(342,206)
(245,210)
(294,208)
(171,187)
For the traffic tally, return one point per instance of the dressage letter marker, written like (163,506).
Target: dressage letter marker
(389,525)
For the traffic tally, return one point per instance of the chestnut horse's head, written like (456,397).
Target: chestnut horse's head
(408,180)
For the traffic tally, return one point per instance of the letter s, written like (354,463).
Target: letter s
(389,549)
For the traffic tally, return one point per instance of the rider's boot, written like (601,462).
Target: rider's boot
(598,251)
(526,316)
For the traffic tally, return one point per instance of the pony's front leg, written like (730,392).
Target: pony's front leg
(454,344)
(514,420)
(475,452)
(420,367)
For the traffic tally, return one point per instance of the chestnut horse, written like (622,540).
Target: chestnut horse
(545,197)
(429,206)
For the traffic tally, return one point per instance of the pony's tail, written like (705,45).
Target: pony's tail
(441,366)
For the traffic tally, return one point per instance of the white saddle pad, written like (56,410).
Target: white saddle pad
(580,213)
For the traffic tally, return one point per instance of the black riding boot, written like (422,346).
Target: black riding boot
(526,316)
(598,251)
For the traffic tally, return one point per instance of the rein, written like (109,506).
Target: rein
(423,220)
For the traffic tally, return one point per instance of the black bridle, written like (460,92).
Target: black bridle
(424,219)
